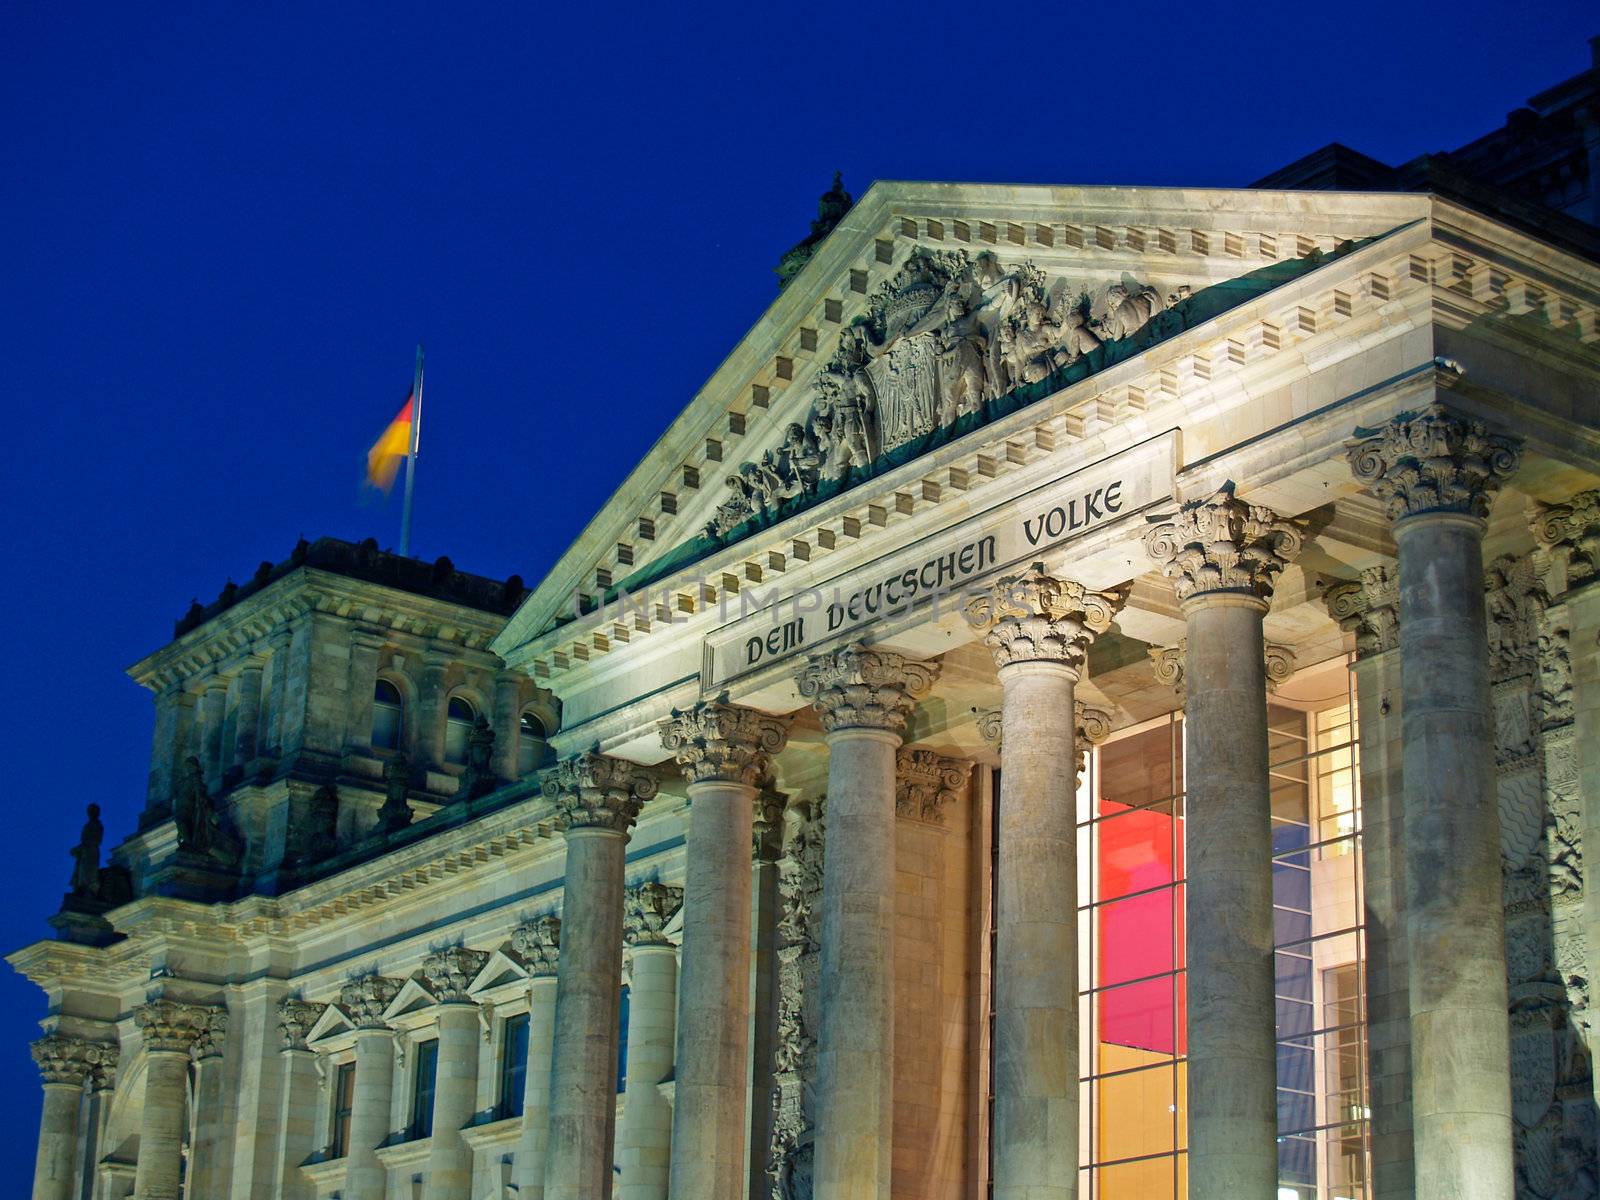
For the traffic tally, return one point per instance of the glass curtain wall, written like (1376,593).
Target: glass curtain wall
(1131,929)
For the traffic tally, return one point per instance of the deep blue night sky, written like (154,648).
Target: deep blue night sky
(225,228)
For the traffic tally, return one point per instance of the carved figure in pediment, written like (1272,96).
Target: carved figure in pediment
(964,378)
(1127,312)
(802,457)
(86,856)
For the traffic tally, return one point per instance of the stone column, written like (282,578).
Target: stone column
(1436,474)
(725,752)
(277,693)
(247,721)
(507,723)
(1371,610)
(366,1000)
(298,1098)
(449,974)
(864,699)
(539,944)
(1572,532)
(65,1063)
(211,712)
(170,746)
(767,848)
(1223,557)
(363,682)
(1039,628)
(209,1155)
(644,1149)
(169,1028)
(599,798)
(429,722)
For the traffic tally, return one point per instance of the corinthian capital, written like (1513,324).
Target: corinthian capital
(450,973)
(71,1060)
(295,1020)
(1222,544)
(1431,462)
(539,945)
(925,782)
(213,1035)
(172,1025)
(1170,664)
(1036,617)
(595,791)
(723,743)
(366,999)
(857,688)
(1572,529)
(1369,609)
(646,909)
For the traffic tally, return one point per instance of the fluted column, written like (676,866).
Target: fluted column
(1371,610)
(539,944)
(599,798)
(365,1000)
(1039,628)
(1437,474)
(725,752)
(210,1154)
(1223,557)
(297,1118)
(864,698)
(455,1096)
(645,1147)
(65,1063)
(169,1028)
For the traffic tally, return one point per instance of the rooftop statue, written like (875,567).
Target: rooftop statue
(831,208)
(86,856)
(396,812)
(200,828)
(478,779)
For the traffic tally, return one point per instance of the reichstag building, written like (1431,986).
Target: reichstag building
(1098,697)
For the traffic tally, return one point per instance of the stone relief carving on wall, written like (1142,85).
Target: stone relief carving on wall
(947,333)
(799,976)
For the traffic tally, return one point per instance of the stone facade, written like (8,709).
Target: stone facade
(809,743)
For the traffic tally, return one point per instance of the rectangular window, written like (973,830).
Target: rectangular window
(422,1084)
(344,1103)
(513,1066)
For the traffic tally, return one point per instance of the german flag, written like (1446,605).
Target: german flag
(391,448)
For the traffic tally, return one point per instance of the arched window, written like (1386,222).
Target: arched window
(388,715)
(457,729)
(531,735)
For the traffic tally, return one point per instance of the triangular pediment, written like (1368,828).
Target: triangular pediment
(500,971)
(333,1023)
(931,311)
(413,995)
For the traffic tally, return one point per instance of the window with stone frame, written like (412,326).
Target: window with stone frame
(459,715)
(513,1066)
(344,1103)
(423,1080)
(388,716)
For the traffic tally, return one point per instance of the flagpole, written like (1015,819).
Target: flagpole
(411,456)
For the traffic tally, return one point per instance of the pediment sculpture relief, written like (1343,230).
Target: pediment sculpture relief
(945,335)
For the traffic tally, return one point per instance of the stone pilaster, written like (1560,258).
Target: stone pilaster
(1370,609)
(766,849)
(65,1065)
(247,719)
(210,1157)
(1223,557)
(864,698)
(431,711)
(599,798)
(1570,533)
(538,944)
(362,684)
(448,974)
(298,1098)
(645,1147)
(365,1000)
(1039,629)
(209,715)
(1436,474)
(507,724)
(169,1028)
(725,752)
